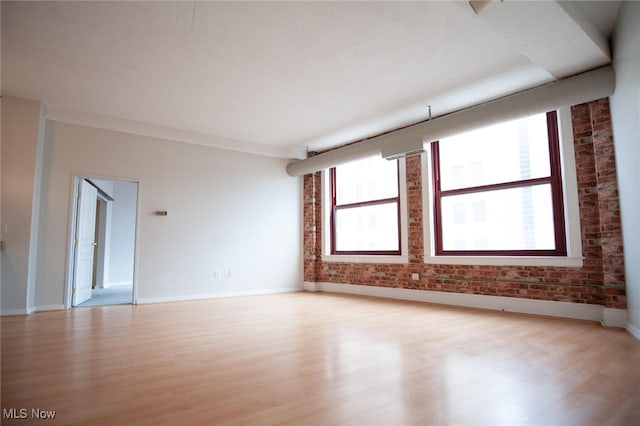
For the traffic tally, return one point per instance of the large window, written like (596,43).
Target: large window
(365,208)
(498,190)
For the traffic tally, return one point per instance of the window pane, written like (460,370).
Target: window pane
(505,152)
(368,228)
(372,178)
(508,219)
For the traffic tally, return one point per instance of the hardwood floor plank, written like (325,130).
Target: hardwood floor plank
(316,359)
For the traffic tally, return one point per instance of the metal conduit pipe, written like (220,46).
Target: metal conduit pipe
(577,89)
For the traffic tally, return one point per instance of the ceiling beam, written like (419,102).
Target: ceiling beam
(556,36)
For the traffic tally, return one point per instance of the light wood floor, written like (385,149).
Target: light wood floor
(316,359)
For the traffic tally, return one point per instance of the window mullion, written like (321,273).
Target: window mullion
(498,186)
(437,198)
(332,218)
(556,183)
(368,203)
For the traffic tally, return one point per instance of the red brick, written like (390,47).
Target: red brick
(600,280)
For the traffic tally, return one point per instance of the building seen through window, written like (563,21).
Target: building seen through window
(498,190)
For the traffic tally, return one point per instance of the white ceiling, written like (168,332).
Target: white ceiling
(278,77)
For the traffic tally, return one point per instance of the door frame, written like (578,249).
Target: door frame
(85,243)
(76,181)
(103,239)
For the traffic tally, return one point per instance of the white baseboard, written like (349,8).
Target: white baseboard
(31,310)
(581,311)
(46,308)
(310,286)
(11,312)
(635,331)
(614,317)
(215,295)
(8,312)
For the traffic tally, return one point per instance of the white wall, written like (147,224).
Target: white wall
(625,111)
(226,210)
(123,228)
(21,152)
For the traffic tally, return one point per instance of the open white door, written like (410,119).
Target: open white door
(85,241)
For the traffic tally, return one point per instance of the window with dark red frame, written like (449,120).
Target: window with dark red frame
(498,190)
(365,208)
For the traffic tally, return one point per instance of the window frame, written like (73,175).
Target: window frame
(567,179)
(554,180)
(335,207)
(353,257)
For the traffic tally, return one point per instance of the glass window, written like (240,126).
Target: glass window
(365,207)
(506,179)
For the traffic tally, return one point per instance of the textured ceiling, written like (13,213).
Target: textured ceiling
(278,77)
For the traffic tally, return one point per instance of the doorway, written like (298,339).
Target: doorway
(104,217)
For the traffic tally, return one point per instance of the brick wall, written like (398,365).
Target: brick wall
(599,281)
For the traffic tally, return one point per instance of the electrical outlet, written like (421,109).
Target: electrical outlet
(415,276)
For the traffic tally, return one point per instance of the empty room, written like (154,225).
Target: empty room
(320,213)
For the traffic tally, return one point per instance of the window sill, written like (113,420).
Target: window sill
(365,259)
(572,262)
